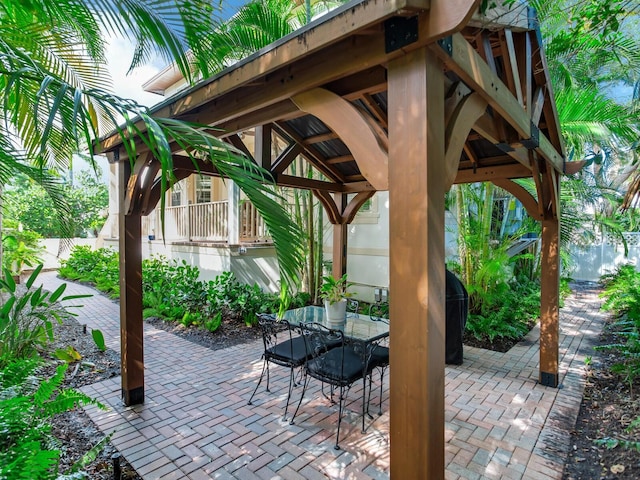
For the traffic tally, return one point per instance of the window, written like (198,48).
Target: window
(178,194)
(203,189)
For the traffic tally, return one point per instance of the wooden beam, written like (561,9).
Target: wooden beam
(134,188)
(354,206)
(510,60)
(131,326)
(340,236)
(468,64)
(326,199)
(237,142)
(528,201)
(488,174)
(309,183)
(416,264)
(262,146)
(286,158)
(341,159)
(364,143)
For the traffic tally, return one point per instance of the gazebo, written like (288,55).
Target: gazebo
(409,96)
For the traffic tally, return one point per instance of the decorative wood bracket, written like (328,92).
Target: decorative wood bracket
(359,135)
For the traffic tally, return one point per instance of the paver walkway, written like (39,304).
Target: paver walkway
(195,423)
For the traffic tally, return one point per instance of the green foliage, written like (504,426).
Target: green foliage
(100,267)
(28,204)
(27,316)
(507,312)
(20,248)
(172,290)
(27,404)
(333,289)
(98,339)
(622,298)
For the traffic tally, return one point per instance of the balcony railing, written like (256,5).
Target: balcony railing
(205,222)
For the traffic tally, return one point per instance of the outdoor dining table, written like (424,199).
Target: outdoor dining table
(358,326)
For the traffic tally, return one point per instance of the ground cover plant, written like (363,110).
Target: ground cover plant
(173,292)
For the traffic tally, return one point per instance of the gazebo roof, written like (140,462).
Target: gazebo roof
(341,58)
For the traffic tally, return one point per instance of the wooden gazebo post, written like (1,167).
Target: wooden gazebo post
(416,262)
(131,328)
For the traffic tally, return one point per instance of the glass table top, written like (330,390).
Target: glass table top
(357,326)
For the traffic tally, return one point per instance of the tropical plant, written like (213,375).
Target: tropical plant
(27,316)
(334,289)
(27,405)
(57,97)
(21,249)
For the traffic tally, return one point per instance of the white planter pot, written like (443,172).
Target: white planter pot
(336,313)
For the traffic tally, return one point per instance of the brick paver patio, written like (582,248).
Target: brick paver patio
(196,424)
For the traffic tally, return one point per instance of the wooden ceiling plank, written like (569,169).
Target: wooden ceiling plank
(376,110)
(320,138)
(341,159)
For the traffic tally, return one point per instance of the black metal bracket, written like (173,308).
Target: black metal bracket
(446,44)
(549,379)
(400,32)
(532,142)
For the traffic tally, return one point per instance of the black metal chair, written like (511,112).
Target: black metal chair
(379,312)
(340,366)
(282,347)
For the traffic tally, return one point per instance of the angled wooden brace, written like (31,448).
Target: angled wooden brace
(464,116)
(134,192)
(366,143)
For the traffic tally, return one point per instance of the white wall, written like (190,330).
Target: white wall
(368,247)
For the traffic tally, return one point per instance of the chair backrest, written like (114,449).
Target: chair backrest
(273,331)
(379,311)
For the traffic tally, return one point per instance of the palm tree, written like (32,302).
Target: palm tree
(57,96)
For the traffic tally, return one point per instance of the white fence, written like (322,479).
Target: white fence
(592,262)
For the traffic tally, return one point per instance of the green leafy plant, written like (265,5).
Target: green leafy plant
(27,404)
(27,316)
(333,289)
(98,339)
(19,250)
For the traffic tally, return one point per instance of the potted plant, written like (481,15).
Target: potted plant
(334,292)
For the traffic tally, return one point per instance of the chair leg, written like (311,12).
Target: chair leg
(291,384)
(264,367)
(305,382)
(337,447)
(381,385)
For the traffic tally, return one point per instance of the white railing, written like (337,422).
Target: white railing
(205,222)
